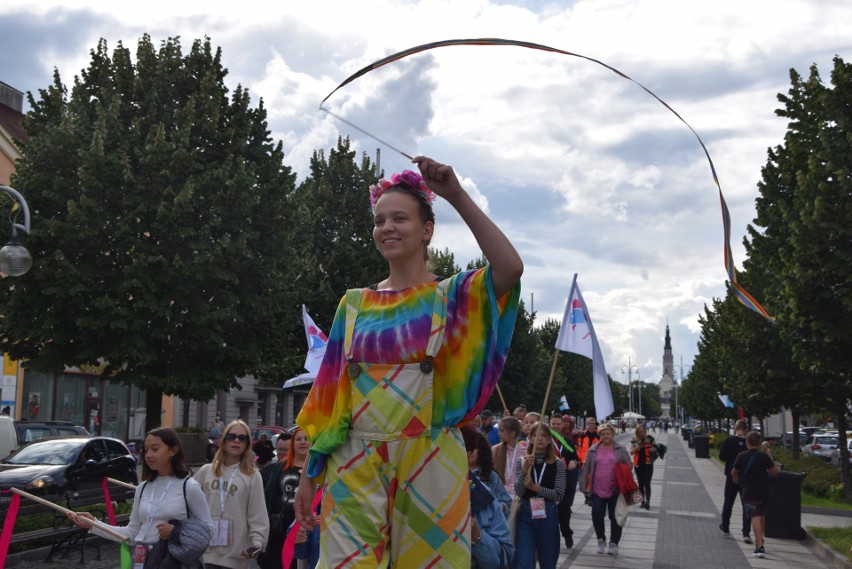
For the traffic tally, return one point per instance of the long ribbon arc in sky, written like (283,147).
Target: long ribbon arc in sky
(742,295)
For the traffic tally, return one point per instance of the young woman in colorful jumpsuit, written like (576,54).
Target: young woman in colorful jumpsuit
(409,360)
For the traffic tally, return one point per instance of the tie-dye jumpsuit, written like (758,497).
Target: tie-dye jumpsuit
(402,370)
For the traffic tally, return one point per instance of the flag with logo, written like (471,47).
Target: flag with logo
(317,341)
(577,335)
(563,404)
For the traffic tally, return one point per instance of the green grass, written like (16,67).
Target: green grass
(809,499)
(836,538)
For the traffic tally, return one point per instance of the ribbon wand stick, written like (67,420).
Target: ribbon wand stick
(374,137)
(100,525)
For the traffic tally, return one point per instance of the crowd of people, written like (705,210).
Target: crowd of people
(395,461)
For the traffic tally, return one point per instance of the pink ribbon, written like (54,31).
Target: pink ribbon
(109,509)
(8,526)
(289,549)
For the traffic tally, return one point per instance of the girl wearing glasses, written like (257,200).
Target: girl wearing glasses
(234,492)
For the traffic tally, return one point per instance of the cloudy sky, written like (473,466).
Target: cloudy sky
(582,169)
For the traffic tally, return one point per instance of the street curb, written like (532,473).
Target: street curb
(827,511)
(831,557)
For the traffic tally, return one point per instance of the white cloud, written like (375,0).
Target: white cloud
(583,170)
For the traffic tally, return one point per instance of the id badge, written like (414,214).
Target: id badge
(140,553)
(538,509)
(222,535)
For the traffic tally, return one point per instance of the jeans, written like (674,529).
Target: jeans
(732,491)
(644,473)
(600,506)
(536,536)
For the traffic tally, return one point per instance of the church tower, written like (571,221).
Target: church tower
(667,381)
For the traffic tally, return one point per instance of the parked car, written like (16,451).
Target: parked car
(8,436)
(269,430)
(821,445)
(835,454)
(29,431)
(57,465)
(786,440)
(812,430)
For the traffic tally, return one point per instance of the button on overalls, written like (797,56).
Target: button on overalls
(397,488)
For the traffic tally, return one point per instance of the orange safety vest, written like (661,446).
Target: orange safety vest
(586,440)
(646,450)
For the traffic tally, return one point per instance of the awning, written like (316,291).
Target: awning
(302,379)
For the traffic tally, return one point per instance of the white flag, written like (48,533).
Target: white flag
(317,341)
(563,404)
(577,335)
(726,401)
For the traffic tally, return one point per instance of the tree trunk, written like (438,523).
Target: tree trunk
(153,408)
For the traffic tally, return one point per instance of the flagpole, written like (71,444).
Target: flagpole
(500,393)
(549,382)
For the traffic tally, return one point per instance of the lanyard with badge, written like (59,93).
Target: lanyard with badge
(537,504)
(222,534)
(140,552)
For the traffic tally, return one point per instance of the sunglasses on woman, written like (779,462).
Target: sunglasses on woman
(230,437)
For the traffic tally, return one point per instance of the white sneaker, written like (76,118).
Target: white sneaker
(601,546)
(613,549)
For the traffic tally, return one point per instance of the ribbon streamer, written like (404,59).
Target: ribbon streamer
(8,527)
(742,295)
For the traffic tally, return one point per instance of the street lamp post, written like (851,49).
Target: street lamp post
(629,369)
(15,259)
(677,389)
(639,390)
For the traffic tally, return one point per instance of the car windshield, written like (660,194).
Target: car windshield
(47,452)
(825,440)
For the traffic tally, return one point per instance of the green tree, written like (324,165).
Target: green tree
(443,263)
(336,229)
(161,243)
(525,373)
(804,212)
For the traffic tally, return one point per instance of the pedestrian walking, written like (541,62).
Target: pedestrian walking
(280,496)
(752,470)
(233,488)
(567,452)
(587,438)
(731,448)
(480,461)
(166,499)
(643,447)
(392,458)
(540,483)
(506,453)
(598,482)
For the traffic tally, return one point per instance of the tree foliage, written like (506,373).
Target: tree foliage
(336,230)
(162,239)
(799,252)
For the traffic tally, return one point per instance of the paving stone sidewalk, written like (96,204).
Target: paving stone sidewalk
(681,530)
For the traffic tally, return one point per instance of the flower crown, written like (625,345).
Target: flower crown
(411,179)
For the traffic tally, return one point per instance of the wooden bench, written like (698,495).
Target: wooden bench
(64,536)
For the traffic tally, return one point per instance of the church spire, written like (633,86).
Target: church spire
(668,345)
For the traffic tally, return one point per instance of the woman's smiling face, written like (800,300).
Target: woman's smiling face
(398,229)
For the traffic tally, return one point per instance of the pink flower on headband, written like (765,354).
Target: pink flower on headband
(411,179)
